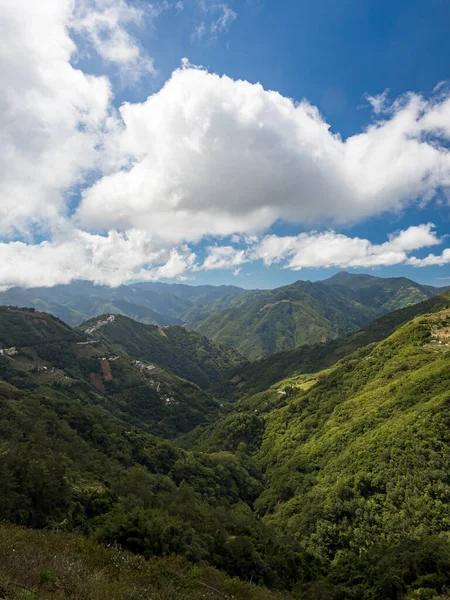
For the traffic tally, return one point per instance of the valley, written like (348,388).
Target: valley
(319,472)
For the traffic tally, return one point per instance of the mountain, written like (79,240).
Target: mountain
(185,353)
(156,303)
(355,463)
(257,323)
(77,455)
(52,356)
(252,377)
(262,323)
(381,294)
(201,300)
(330,484)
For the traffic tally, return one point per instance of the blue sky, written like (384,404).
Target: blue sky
(332,53)
(119,174)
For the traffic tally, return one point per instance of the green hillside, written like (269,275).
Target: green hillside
(263,323)
(53,357)
(77,456)
(331,484)
(201,300)
(188,354)
(38,565)
(252,377)
(355,463)
(384,295)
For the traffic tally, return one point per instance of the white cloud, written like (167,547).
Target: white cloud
(115,258)
(330,249)
(105,23)
(51,114)
(379,102)
(219,24)
(431,260)
(228,157)
(108,260)
(224,257)
(323,250)
(206,156)
(224,22)
(199,32)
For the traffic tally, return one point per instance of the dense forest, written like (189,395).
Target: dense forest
(329,482)
(266,322)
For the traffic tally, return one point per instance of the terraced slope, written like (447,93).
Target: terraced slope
(187,354)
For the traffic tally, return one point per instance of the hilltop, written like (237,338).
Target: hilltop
(52,357)
(187,354)
(263,323)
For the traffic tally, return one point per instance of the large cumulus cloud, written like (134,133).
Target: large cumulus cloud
(204,157)
(228,156)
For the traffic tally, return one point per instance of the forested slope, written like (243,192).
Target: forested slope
(53,357)
(263,323)
(188,354)
(76,454)
(356,464)
(329,485)
(257,376)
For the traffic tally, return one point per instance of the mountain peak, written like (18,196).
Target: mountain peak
(343,276)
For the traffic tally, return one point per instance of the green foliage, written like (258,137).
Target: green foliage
(333,485)
(49,357)
(258,376)
(356,468)
(263,323)
(185,353)
(74,458)
(42,565)
(67,466)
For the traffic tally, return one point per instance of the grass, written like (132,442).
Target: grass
(41,565)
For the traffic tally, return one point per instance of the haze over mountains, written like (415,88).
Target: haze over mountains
(150,302)
(256,323)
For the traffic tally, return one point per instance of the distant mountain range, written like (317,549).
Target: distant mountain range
(257,323)
(264,322)
(326,476)
(150,302)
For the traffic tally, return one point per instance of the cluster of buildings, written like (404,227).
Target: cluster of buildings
(88,343)
(8,351)
(109,319)
(110,358)
(143,367)
(157,384)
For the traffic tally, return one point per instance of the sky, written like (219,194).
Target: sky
(247,142)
